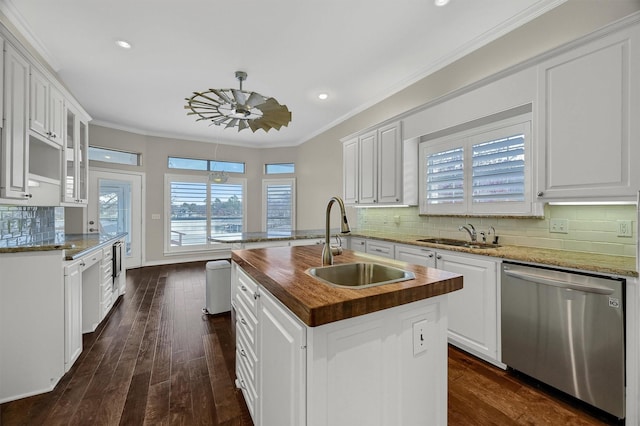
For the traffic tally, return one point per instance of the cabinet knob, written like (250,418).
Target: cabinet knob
(242,320)
(28,195)
(256,295)
(243,353)
(540,193)
(430,255)
(243,287)
(438,257)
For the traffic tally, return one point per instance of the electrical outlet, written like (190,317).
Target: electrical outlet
(419,337)
(625,228)
(559,226)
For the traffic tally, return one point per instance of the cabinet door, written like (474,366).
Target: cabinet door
(72,314)
(39,105)
(588,126)
(76,161)
(56,115)
(417,256)
(473,320)
(368,188)
(15,147)
(83,162)
(282,384)
(350,171)
(389,164)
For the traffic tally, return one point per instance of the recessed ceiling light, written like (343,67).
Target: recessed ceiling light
(323,96)
(123,44)
(441,2)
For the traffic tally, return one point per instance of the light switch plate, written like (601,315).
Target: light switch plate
(155,216)
(559,226)
(420,337)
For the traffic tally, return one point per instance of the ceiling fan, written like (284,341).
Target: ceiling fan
(237,107)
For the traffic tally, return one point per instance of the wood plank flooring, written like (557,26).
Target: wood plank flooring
(157,360)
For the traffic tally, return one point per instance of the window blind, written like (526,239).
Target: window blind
(279,205)
(445,177)
(498,169)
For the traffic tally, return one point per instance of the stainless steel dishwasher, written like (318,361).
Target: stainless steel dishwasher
(566,329)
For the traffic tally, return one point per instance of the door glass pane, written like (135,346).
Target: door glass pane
(114,209)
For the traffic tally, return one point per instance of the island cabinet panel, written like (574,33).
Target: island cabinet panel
(282,383)
(365,370)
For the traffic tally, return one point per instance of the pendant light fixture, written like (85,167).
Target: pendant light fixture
(238,108)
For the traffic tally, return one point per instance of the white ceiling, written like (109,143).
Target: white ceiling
(357,51)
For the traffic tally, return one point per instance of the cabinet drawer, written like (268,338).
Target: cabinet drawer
(245,355)
(246,324)
(246,291)
(381,249)
(107,253)
(91,259)
(248,390)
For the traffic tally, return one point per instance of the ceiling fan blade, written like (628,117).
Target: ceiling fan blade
(255,99)
(239,96)
(242,125)
(222,95)
(231,123)
(209,98)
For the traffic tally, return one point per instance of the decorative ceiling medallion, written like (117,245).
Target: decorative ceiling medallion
(238,108)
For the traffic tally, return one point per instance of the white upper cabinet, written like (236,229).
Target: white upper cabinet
(350,171)
(588,127)
(379,168)
(15,146)
(46,108)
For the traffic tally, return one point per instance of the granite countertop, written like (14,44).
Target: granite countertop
(258,237)
(281,270)
(74,245)
(601,263)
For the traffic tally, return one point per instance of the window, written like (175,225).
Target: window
(483,170)
(278,206)
(113,156)
(280,168)
(205,165)
(200,209)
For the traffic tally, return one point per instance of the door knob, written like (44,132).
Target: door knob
(93,229)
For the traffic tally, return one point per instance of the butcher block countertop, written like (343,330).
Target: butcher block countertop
(282,271)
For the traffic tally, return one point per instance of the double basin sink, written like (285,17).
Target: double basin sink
(366,274)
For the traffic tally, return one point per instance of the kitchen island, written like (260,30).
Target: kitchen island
(309,353)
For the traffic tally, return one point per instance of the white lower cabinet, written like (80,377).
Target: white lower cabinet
(32,332)
(380,248)
(362,370)
(72,313)
(473,311)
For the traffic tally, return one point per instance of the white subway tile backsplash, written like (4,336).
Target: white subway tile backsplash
(592,229)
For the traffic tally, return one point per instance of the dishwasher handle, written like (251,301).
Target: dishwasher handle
(540,279)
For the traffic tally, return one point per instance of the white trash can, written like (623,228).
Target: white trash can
(218,287)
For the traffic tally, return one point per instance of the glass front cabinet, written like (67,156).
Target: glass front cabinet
(76,161)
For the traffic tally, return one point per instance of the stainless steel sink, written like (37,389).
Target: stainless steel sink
(459,243)
(359,275)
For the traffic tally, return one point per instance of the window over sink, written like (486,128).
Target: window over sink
(482,169)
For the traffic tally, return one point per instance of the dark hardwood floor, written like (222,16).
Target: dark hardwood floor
(157,360)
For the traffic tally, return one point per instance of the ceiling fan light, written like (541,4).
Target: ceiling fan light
(441,2)
(323,96)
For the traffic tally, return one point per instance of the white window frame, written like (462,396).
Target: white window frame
(284,181)
(209,245)
(467,139)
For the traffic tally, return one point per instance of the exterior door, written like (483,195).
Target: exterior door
(117,207)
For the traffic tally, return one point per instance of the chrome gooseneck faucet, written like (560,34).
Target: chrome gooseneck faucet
(327,250)
(471,232)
